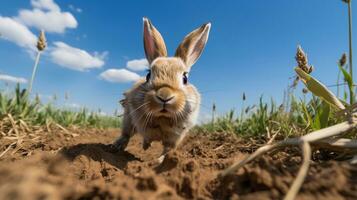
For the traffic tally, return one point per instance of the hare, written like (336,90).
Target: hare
(164,106)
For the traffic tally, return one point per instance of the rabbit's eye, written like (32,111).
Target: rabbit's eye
(184,78)
(148,77)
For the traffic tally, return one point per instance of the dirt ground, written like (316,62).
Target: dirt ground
(84,166)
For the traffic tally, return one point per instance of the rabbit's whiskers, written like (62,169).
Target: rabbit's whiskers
(147,119)
(142,105)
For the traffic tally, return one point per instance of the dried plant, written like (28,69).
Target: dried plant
(325,136)
(22,119)
(305,90)
(301,59)
(341,63)
(41,43)
(348,2)
(343,60)
(213,113)
(41,46)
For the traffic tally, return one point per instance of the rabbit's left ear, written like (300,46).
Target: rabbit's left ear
(192,46)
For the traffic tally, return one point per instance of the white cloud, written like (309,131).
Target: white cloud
(78,10)
(124,75)
(16,32)
(74,58)
(119,76)
(45,4)
(13,79)
(46,14)
(50,21)
(137,64)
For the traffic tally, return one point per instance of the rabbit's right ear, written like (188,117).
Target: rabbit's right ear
(154,44)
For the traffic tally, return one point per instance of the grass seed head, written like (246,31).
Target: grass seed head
(343,60)
(305,90)
(41,42)
(301,59)
(346,1)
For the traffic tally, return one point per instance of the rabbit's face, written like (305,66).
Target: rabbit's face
(167,83)
(166,91)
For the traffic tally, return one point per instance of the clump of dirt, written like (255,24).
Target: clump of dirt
(85,166)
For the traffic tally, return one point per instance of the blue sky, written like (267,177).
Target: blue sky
(251,46)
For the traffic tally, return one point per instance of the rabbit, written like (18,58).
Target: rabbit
(163,106)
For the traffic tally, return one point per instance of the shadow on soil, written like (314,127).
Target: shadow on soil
(99,152)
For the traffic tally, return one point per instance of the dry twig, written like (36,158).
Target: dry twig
(295,187)
(318,136)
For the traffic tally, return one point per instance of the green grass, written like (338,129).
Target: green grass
(256,121)
(19,106)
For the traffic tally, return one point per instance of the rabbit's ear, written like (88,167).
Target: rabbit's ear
(192,46)
(154,44)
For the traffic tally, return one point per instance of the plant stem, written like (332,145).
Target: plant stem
(350,48)
(34,71)
(242,112)
(337,84)
(213,113)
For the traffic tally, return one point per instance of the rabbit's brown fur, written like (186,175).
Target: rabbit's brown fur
(164,107)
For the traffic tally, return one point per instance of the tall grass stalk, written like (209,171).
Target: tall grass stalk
(213,113)
(34,70)
(243,108)
(41,45)
(350,36)
(348,2)
(341,63)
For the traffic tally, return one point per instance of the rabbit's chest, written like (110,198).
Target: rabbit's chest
(160,129)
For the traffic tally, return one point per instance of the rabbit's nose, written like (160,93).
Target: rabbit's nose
(164,95)
(166,100)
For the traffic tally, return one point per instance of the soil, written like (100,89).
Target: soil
(84,166)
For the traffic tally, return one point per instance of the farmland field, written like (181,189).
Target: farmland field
(82,165)
(238,111)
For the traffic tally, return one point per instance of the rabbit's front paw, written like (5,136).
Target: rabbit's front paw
(121,143)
